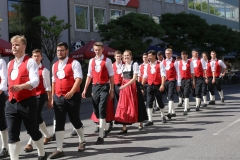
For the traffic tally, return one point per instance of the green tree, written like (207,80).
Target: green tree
(50,34)
(133,31)
(182,31)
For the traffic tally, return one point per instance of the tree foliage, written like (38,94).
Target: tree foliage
(50,34)
(133,31)
(182,31)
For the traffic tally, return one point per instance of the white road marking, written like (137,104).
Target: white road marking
(225,128)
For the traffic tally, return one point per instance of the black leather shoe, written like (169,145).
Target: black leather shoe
(43,157)
(53,137)
(148,124)
(197,109)
(56,154)
(179,105)
(96,130)
(211,103)
(222,100)
(185,113)
(164,120)
(74,133)
(105,133)
(99,141)
(4,153)
(188,109)
(204,105)
(111,125)
(122,132)
(174,115)
(169,116)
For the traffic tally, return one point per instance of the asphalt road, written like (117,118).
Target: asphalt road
(210,134)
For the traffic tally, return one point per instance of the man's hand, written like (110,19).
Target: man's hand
(84,94)
(50,104)
(206,80)
(213,81)
(1,91)
(222,74)
(161,88)
(111,94)
(178,88)
(16,88)
(68,95)
(193,85)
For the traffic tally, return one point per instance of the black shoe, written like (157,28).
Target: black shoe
(179,105)
(148,124)
(174,115)
(53,137)
(204,105)
(99,141)
(188,109)
(211,103)
(185,113)
(96,130)
(105,133)
(74,133)
(140,127)
(111,125)
(4,153)
(197,109)
(56,154)
(156,109)
(122,132)
(222,100)
(43,157)
(164,120)
(169,116)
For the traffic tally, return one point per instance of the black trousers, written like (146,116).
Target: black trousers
(145,92)
(152,92)
(63,106)
(179,93)
(169,89)
(26,111)
(185,87)
(100,97)
(41,99)
(3,124)
(204,87)
(218,84)
(198,87)
(116,95)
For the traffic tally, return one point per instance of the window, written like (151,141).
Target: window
(171,1)
(98,17)
(82,18)
(179,1)
(114,14)
(156,18)
(191,4)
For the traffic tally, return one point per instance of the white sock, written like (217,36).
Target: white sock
(40,147)
(162,112)
(102,125)
(210,95)
(4,138)
(54,126)
(30,141)
(198,102)
(156,103)
(213,97)
(80,133)
(194,98)
(204,99)
(43,129)
(107,126)
(170,106)
(186,104)
(14,150)
(180,99)
(173,110)
(149,112)
(59,140)
(221,94)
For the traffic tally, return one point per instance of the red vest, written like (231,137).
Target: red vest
(217,69)
(171,73)
(185,74)
(142,72)
(23,77)
(102,76)
(117,77)
(209,69)
(198,71)
(40,88)
(63,86)
(155,78)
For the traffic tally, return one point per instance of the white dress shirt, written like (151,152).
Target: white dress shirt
(213,64)
(168,62)
(127,68)
(3,75)
(153,70)
(119,67)
(184,65)
(145,66)
(194,60)
(98,61)
(32,68)
(76,67)
(46,78)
